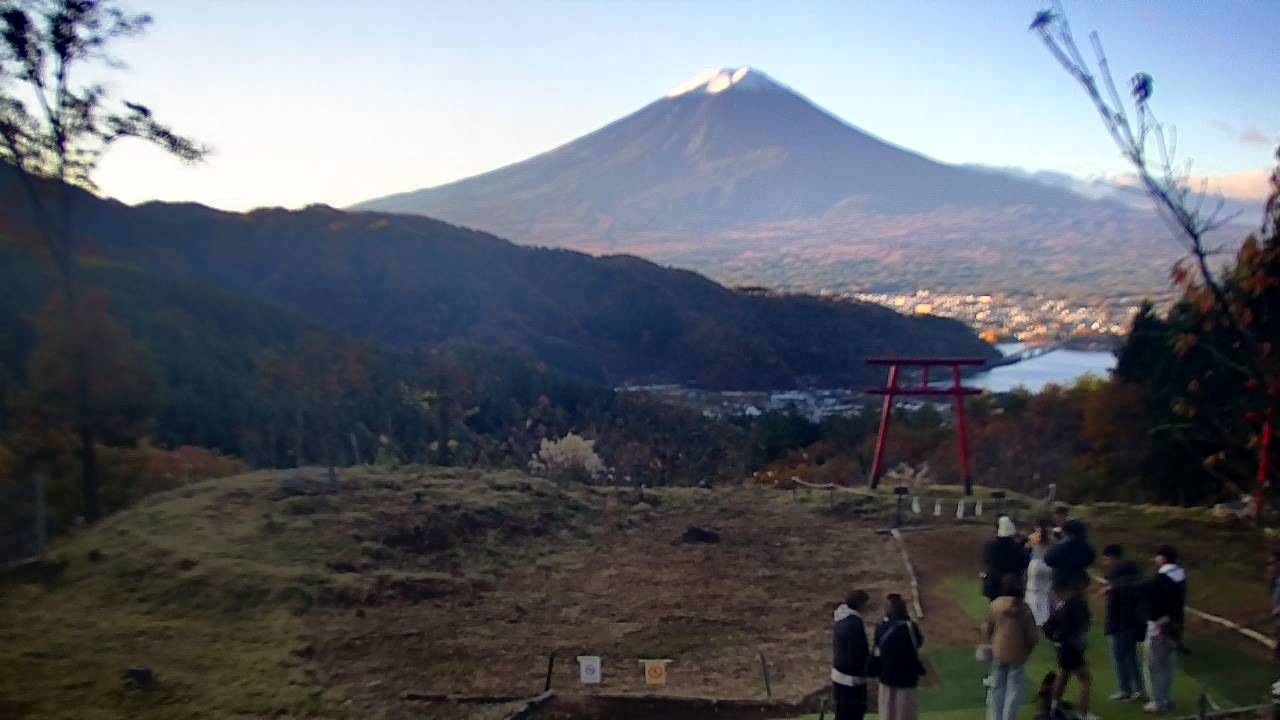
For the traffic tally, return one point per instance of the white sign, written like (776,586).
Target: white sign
(589,669)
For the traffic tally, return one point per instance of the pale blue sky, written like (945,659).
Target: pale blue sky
(321,101)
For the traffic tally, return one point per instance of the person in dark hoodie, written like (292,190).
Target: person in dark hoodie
(1166,596)
(1125,626)
(850,658)
(1070,559)
(1003,556)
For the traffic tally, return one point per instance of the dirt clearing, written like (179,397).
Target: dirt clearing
(625,588)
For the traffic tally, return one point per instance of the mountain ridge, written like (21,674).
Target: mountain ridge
(703,171)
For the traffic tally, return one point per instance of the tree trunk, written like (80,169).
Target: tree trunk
(297,438)
(442,433)
(88,474)
(355,449)
(271,446)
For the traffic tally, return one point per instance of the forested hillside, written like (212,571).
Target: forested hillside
(411,281)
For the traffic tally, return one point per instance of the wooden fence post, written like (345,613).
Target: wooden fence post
(41,524)
(764,667)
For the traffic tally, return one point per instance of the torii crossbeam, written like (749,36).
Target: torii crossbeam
(891,391)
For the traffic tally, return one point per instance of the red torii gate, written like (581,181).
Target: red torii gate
(891,390)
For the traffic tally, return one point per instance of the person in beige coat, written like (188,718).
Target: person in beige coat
(1011,630)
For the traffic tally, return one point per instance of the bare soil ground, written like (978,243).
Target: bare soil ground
(938,554)
(625,588)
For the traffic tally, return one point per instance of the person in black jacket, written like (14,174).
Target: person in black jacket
(1166,595)
(1125,625)
(1070,559)
(1003,556)
(898,643)
(850,658)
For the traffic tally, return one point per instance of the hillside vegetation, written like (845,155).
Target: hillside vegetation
(412,281)
(262,596)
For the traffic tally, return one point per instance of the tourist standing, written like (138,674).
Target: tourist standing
(1039,574)
(1068,629)
(1070,559)
(1061,516)
(1002,556)
(1166,602)
(1125,626)
(850,658)
(1011,630)
(898,643)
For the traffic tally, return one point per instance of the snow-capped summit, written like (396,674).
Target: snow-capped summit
(717,80)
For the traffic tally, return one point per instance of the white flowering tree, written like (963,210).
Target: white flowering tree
(572,457)
(916,478)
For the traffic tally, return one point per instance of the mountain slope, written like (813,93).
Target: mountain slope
(414,281)
(734,171)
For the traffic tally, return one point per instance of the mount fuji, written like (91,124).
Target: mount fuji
(738,176)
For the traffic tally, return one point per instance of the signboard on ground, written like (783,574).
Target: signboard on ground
(655,671)
(589,669)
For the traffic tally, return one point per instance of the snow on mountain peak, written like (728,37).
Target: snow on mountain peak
(717,80)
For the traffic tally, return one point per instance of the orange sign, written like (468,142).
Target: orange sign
(655,671)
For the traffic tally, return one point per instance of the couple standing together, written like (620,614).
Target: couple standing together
(891,656)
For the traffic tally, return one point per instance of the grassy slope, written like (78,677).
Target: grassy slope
(1224,561)
(227,635)
(69,639)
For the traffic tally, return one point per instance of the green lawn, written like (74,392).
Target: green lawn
(1230,677)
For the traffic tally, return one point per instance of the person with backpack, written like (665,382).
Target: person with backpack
(898,643)
(1002,556)
(1125,625)
(1166,596)
(1011,630)
(1068,629)
(850,658)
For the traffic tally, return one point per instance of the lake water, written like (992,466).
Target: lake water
(1061,367)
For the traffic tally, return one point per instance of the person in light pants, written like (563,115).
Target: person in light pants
(1011,630)
(1166,599)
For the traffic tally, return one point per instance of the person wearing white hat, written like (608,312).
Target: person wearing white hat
(1002,556)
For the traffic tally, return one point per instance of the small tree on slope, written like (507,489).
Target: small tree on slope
(54,128)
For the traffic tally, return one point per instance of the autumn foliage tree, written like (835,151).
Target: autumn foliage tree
(315,390)
(53,131)
(1224,327)
(50,409)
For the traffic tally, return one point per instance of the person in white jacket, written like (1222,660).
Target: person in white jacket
(1040,575)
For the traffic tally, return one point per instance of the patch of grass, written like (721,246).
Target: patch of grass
(212,587)
(1219,654)
(1224,559)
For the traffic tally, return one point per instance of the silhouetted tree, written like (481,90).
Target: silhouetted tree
(55,128)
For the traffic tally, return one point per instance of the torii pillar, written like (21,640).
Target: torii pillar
(892,390)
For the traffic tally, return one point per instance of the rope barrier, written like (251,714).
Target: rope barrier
(911,573)
(963,508)
(1248,632)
